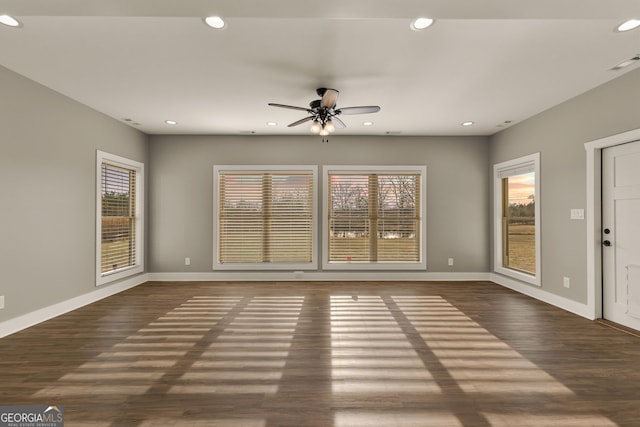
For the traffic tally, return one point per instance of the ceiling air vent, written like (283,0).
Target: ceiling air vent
(626,63)
(131,121)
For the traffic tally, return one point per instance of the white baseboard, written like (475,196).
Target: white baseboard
(542,295)
(19,323)
(284,276)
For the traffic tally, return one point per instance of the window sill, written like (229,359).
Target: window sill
(114,276)
(518,275)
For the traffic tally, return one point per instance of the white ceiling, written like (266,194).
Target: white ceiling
(151,60)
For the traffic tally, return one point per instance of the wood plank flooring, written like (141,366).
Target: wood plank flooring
(324,354)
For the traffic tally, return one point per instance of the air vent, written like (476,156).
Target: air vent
(626,63)
(131,121)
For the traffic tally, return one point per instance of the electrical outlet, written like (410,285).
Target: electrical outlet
(1,302)
(187,261)
(450,262)
(566,282)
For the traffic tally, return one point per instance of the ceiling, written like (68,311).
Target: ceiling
(493,62)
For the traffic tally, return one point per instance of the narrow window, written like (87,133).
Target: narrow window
(518,221)
(119,236)
(264,218)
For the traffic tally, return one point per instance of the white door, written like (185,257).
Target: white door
(621,234)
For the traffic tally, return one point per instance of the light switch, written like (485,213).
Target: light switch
(577,213)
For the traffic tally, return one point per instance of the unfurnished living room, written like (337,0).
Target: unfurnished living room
(336,214)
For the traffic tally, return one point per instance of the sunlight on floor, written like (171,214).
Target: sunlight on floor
(371,356)
(431,347)
(252,334)
(364,337)
(536,420)
(396,418)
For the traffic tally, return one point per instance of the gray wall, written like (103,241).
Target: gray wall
(181,189)
(559,135)
(48,149)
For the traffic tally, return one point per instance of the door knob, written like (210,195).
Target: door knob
(606,243)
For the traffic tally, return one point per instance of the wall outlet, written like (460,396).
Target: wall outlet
(566,282)
(1,302)
(187,261)
(450,262)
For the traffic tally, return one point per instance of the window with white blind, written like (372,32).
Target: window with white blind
(375,217)
(119,224)
(264,217)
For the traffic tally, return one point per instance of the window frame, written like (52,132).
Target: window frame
(421,171)
(274,169)
(138,267)
(499,170)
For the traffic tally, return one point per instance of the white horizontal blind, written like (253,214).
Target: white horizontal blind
(349,219)
(374,218)
(118,207)
(398,230)
(518,169)
(265,217)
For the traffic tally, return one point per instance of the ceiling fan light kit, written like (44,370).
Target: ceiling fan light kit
(323,112)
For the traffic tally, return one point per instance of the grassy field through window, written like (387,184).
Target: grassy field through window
(522,247)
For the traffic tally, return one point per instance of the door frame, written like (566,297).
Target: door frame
(594,215)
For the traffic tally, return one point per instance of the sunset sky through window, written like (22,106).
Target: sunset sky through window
(522,189)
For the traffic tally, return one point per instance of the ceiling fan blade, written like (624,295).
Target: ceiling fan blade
(329,98)
(291,107)
(359,110)
(339,124)
(301,121)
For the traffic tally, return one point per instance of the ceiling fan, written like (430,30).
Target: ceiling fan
(324,114)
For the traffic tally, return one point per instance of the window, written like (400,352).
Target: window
(264,218)
(375,217)
(119,216)
(517,218)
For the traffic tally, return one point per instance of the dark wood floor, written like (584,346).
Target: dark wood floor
(324,354)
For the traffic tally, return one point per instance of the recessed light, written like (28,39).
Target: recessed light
(419,24)
(214,22)
(367,123)
(469,123)
(171,122)
(9,20)
(272,124)
(628,25)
